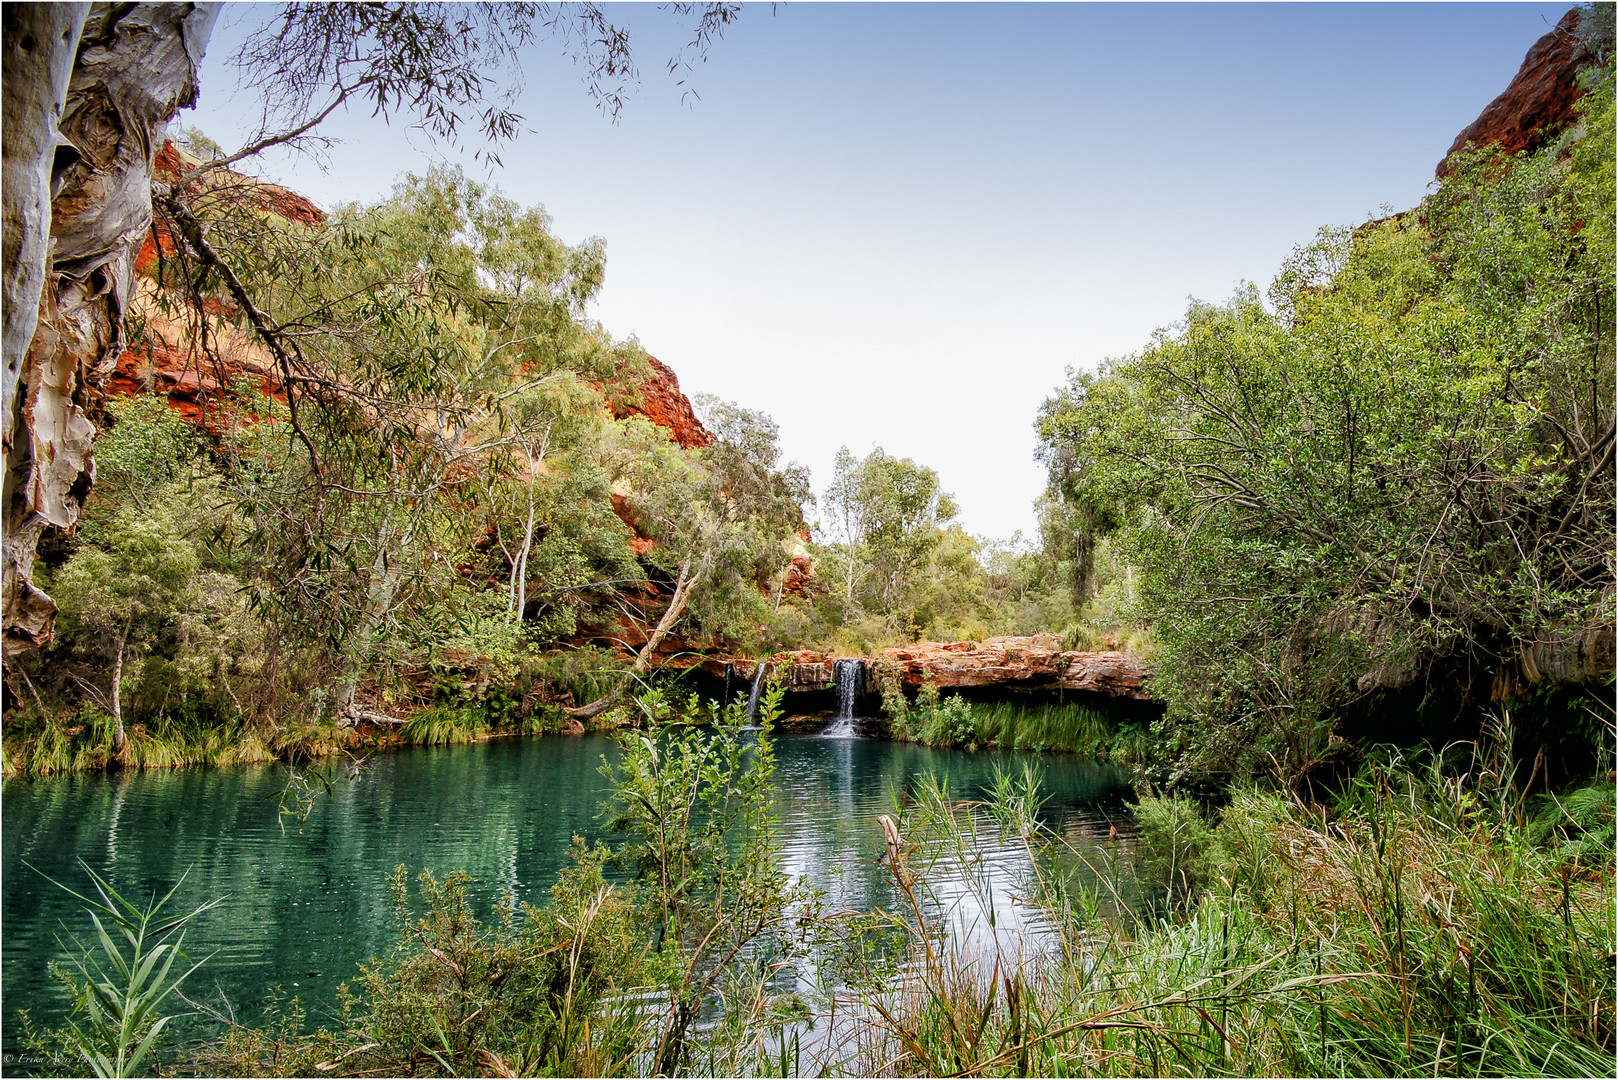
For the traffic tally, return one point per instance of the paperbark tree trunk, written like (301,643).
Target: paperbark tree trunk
(117,694)
(39,42)
(135,65)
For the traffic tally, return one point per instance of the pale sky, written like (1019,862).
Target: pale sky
(897,224)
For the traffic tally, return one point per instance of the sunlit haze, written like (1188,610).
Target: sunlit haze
(896,225)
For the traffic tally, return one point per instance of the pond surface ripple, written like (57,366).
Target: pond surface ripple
(303,909)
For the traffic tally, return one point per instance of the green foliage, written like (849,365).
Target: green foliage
(534,992)
(458,995)
(582,674)
(147,449)
(723,519)
(609,978)
(947,721)
(430,496)
(448,369)
(1180,851)
(896,568)
(86,740)
(120,993)
(888,518)
(695,807)
(1407,935)
(938,719)
(440,725)
(150,598)
(1579,824)
(1395,471)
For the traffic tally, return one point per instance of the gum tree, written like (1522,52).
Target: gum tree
(89,91)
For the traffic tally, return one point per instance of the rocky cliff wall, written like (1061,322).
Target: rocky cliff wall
(1538,103)
(1023,664)
(663,403)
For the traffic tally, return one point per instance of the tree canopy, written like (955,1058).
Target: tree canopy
(1392,472)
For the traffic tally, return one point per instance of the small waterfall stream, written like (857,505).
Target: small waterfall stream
(752,696)
(849,678)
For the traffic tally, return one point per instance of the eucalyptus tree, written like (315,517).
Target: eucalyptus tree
(720,520)
(430,339)
(89,91)
(541,495)
(1074,514)
(887,516)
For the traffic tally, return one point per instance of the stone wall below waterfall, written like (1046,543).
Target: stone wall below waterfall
(1034,664)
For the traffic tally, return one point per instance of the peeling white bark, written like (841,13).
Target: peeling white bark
(39,42)
(136,65)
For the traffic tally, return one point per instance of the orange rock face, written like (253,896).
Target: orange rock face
(163,363)
(1538,103)
(1021,663)
(662,402)
(1030,663)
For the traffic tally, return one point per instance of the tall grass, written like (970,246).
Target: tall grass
(84,742)
(1414,931)
(938,719)
(1045,726)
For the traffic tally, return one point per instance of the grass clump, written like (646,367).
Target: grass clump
(441,725)
(85,741)
(938,719)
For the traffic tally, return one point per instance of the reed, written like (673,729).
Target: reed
(1408,933)
(950,720)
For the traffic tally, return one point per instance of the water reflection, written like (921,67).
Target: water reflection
(300,911)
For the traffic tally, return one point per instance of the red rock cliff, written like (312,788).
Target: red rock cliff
(1538,103)
(164,363)
(162,360)
(662,402)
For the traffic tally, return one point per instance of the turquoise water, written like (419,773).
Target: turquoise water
(301,910)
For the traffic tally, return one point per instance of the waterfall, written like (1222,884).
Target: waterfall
(849,675)
(730,684)
(752,697)
(849,678)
